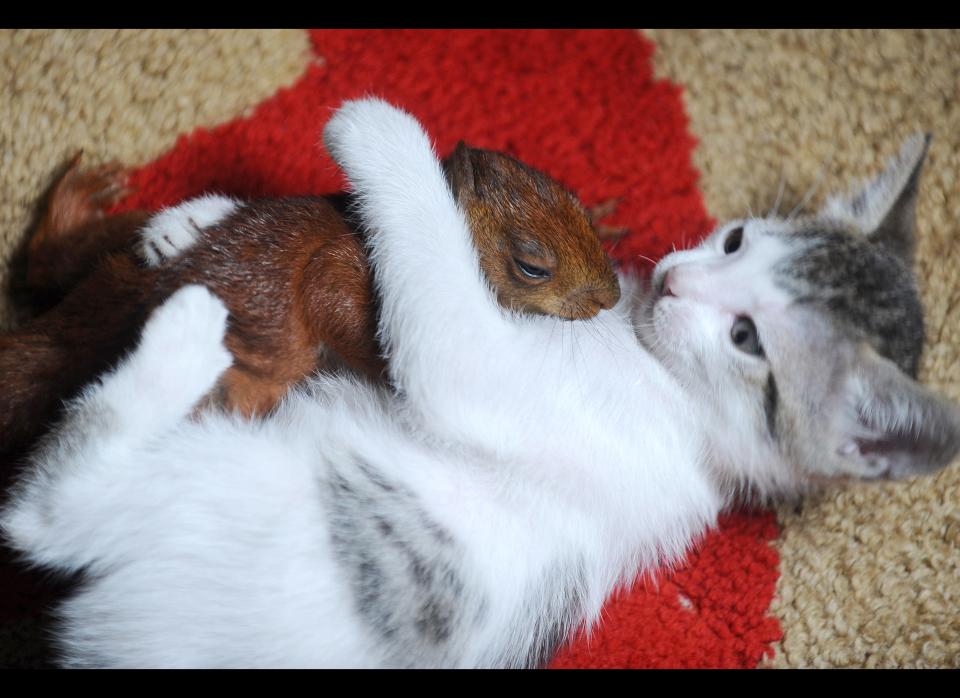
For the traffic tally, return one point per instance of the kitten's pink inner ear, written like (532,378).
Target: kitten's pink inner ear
(907,429)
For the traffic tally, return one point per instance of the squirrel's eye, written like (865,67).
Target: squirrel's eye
(532,271)
(733,241)
(744,336)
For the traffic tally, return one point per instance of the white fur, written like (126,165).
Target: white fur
(175,229)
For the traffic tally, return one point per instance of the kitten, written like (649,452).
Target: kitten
(804,337)
(489,507)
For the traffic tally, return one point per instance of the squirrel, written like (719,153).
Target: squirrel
(292,271)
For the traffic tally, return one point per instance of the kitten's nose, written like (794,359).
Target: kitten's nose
(666,289)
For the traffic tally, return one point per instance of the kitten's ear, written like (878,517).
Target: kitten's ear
(885,208)
(893,426)
(460,171)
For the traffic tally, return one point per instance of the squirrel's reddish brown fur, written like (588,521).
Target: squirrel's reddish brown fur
(293,273)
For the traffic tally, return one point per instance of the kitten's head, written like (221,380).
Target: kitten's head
(802,337)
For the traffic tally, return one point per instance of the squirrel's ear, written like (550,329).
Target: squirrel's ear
(459,168)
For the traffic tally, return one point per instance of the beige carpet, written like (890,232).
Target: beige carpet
(870,574)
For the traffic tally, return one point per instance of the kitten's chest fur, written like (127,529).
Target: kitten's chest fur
(451,561)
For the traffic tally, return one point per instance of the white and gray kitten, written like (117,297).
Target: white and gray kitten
(803,337)
(492,503)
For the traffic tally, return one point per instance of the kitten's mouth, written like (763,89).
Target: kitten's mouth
(657,283)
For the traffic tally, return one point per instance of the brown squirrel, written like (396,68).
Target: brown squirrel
(292,271)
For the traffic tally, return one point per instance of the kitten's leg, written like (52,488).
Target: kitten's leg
(444,334)
(65,509)
(174,230)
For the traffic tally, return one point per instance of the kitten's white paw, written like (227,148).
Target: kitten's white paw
(176,229)
(181,354)
(375,133)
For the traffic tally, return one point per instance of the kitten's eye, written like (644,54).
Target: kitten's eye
(532,271)
(744,336)
(734,238)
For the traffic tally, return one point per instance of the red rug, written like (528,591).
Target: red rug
(582,106)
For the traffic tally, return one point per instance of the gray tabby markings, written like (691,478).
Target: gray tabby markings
(404,568)
(771,400)
(866,288)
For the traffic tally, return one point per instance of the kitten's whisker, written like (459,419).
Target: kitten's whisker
(746,200)
(816,183)
(616,243)
(806,197)
(775,209)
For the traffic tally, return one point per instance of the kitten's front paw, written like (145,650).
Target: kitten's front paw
(367,137)
(181,353)
(176,229)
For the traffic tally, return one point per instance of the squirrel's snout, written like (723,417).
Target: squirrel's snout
(588,302)
(606,298)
